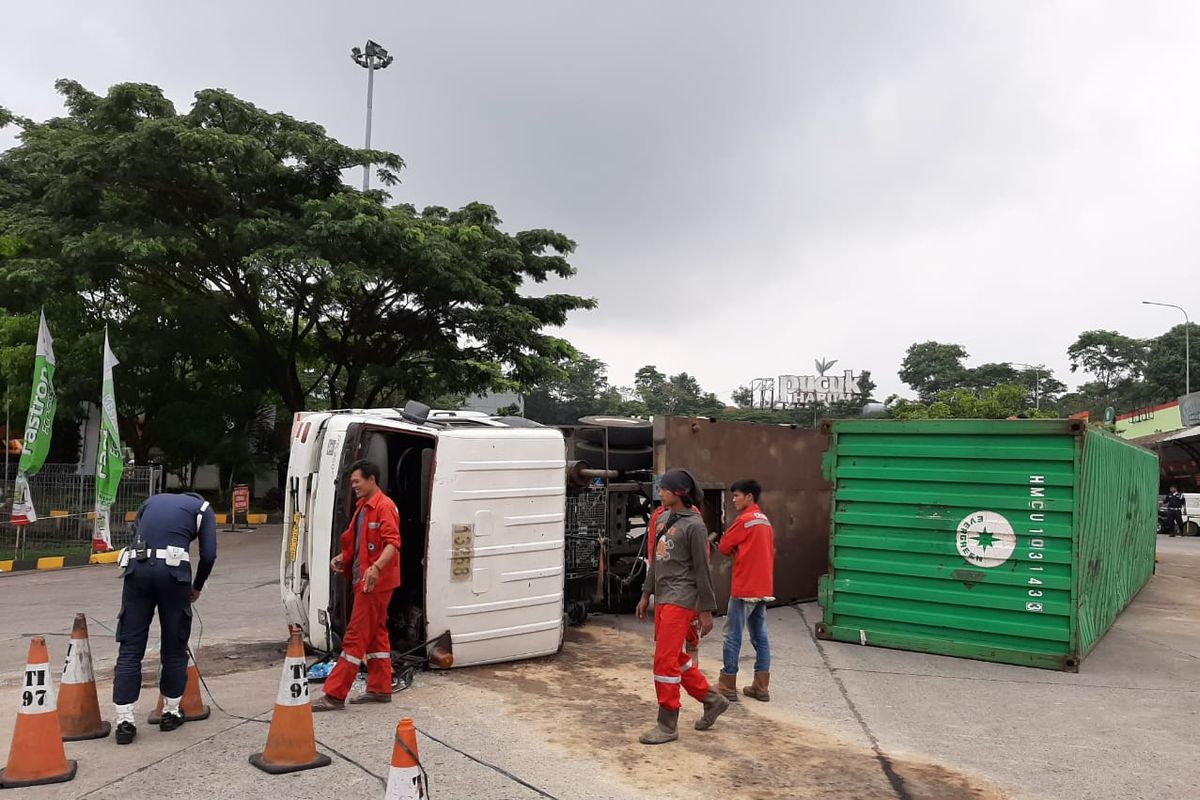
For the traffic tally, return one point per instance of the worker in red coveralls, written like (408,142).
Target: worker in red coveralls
(691,645)
(751,542)
(678,579)
(371,556)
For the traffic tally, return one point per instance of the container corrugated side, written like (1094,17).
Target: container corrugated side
(1116,537)
(954,537)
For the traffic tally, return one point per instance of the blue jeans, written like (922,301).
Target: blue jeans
(742,615)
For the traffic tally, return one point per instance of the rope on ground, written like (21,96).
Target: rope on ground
(489,765)
(406,679)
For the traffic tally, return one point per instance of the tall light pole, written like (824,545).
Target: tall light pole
(370,58)
(1187,343)
(1037,375)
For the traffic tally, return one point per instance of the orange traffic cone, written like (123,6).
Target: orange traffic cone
(192,704)
(37,755)
(291,743)
(78,704)
(405,779)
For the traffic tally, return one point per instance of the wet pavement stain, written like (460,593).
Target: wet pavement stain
(595,698)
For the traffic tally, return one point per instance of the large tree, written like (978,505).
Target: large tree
(1042,386)
(743,397)
(932,367)
(323,294)
(1112,358)
(1166,374)
(674,394)
(989,376)
(1118,365)
(581,389)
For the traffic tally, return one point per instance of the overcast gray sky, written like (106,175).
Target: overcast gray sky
(751,188)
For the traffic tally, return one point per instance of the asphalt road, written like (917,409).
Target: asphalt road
(845,721)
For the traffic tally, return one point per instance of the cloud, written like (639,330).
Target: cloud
(775,182)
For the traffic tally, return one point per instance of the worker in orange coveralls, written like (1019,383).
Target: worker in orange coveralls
(371,555)
(691,645)
(679,581)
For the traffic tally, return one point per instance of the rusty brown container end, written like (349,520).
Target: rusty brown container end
(787,461)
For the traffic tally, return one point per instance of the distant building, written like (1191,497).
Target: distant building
(1150,420)
(1189,409)
(1173,431)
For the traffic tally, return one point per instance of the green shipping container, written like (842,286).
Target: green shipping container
(1018,541)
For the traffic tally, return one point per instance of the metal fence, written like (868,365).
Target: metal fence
(65,501)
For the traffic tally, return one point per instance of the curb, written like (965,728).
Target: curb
(59,562)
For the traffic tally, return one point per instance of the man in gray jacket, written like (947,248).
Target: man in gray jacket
(678,579)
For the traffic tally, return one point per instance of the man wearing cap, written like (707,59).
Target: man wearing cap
(1176,504)
(679,581)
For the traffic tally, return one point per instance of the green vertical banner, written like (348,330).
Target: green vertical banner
(110,461)
(39,425)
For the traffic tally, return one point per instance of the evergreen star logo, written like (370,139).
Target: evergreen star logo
(985,539)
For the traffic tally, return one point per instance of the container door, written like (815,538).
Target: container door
(494,563)
(955,537)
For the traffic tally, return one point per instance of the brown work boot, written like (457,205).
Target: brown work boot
(327,703)
(715,705)
(727,686)
(759,689)
(667,729)
(371,697)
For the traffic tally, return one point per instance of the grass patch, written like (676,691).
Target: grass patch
(45,551)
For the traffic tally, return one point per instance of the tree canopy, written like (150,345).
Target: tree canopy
(1110,357)
(932,367)
(242,214)
(581,389)
(235,267)
(1165,372)
(997,402)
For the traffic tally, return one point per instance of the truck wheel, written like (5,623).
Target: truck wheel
(623,459)
(576,613)
(1191,529)
(622,431)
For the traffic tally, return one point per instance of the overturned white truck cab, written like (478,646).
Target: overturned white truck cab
(481,503)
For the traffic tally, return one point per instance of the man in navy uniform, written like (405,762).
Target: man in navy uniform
(158,575)
(1176,505)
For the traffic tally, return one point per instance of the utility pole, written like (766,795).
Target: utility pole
(1187,343)
(1037,381)
(370,58)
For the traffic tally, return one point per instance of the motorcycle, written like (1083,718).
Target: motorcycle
(1164,520)
(1186,528)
